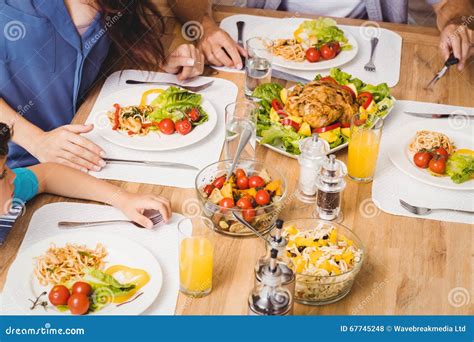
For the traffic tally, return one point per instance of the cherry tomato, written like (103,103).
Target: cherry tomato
(240,173)
(289,122)
(327,128)
(183,126)
(312,55)
(82,287)
(336,47)
(262,197)
(248,214)
(256,182)
(422,159)
(78,303)
(442,152)
(166,126)
(244,203)
(277,105)
(194,115)
(243,183)
(349,90)
(438,165)
(327,52)
(219,182)
(227,202)
(59,295)
(328,79)
(365,99)
(208,189)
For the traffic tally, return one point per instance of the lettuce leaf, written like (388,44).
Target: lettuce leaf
(325,29)
(268,92)
(278,134)
(460,168)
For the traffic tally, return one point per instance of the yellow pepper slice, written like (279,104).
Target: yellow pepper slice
(148,92)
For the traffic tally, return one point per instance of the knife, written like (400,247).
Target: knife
(438,115)
(240,39)
(150,163)
(288,77)
(450,61)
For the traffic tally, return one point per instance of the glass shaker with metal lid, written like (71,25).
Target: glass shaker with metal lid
(312,149)
(277,242)
(269,297)
(330,183)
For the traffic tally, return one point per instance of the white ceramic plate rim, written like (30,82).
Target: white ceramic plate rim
(152,141)
(27,286)
(397,150)
(287,30)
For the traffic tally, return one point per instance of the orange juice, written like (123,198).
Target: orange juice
(363,152)
(195,266)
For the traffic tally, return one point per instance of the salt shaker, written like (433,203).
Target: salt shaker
(330,183)
(269,297)
(312,150)
(277,242)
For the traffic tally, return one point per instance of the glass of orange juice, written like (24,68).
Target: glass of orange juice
(366,131)
(196,254)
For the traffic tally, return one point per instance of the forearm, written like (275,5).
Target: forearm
(24,132)
(188,10)
(452,11)
(64,181)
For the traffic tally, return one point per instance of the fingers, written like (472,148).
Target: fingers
(89,150)
(220,54)
(78,162)
(141,219)
(177,62)
(231,47)
(242,51)
(78,129)
(465,46)
(197,68)
(67,162)
(210,56)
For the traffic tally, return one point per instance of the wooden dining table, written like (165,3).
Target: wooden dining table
(412,264)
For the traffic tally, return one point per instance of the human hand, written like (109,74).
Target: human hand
(134,205)
(215,42)
(65,145)
(186,61)
(460,40)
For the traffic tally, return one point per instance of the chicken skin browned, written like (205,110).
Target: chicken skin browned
(321,103)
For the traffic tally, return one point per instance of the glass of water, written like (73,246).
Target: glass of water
(258,66)
(239,116)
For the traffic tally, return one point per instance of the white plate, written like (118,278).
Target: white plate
(287,29)
(402,158)
(120,251)
(152,141)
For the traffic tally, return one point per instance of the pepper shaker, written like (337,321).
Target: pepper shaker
(330,183)
(312,150)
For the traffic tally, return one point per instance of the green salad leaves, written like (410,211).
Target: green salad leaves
(460,168)
(326,30)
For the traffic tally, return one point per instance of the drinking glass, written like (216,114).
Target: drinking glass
(196,254)
(258,66)
(364,143)
(240,115)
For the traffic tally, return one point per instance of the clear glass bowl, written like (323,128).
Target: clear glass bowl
(224,222)
(322,290)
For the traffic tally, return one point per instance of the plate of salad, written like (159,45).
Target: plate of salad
(156,119)
(324,106)
(85,273)
(303,44)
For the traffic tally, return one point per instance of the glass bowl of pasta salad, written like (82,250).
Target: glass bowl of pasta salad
(327,257)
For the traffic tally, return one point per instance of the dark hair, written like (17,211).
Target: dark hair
(5,135)
(135,28)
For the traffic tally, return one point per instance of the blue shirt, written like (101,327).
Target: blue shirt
(45,65)
(26,186)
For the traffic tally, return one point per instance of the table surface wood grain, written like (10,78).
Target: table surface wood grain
(412,264)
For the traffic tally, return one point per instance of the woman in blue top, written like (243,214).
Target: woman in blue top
(51,52)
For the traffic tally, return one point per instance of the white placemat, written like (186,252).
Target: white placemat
(203,153)
(162,242)
(387,56)
(390,184)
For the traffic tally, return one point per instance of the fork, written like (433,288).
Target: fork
(370,66)
(425,211)
(190,88)
(72,224)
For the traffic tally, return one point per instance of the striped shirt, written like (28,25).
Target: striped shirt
(8,220)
